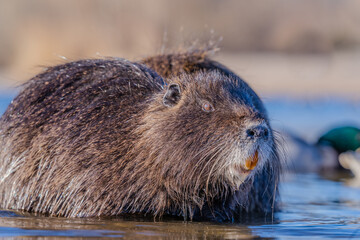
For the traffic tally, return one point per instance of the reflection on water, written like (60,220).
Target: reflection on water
(47,226)
(312,207)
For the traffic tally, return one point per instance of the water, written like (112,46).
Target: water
(313,207)
(5,100)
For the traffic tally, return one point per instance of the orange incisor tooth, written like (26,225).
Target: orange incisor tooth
(252,161)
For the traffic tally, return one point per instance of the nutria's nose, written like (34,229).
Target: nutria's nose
(259,131)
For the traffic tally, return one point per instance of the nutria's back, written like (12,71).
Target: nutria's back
(55,130)
(108,137)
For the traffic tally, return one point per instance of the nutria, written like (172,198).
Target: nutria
(109,137)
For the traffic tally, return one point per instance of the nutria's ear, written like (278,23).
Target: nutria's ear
(172,95)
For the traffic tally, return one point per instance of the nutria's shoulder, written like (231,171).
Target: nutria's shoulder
(80,83)
(91,73)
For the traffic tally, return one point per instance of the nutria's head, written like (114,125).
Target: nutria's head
(205,135)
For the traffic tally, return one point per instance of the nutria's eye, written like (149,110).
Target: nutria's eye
(207,107)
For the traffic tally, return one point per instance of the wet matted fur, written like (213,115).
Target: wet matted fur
(111,137)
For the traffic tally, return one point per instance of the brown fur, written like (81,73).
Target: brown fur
(168,65)
(93,138)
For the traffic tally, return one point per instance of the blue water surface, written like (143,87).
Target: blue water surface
(311,118)
(5,100)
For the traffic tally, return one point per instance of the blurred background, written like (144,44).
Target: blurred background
(301,56)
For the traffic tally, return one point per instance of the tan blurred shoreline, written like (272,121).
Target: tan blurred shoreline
(270,74)
(301,48)
(299,75)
